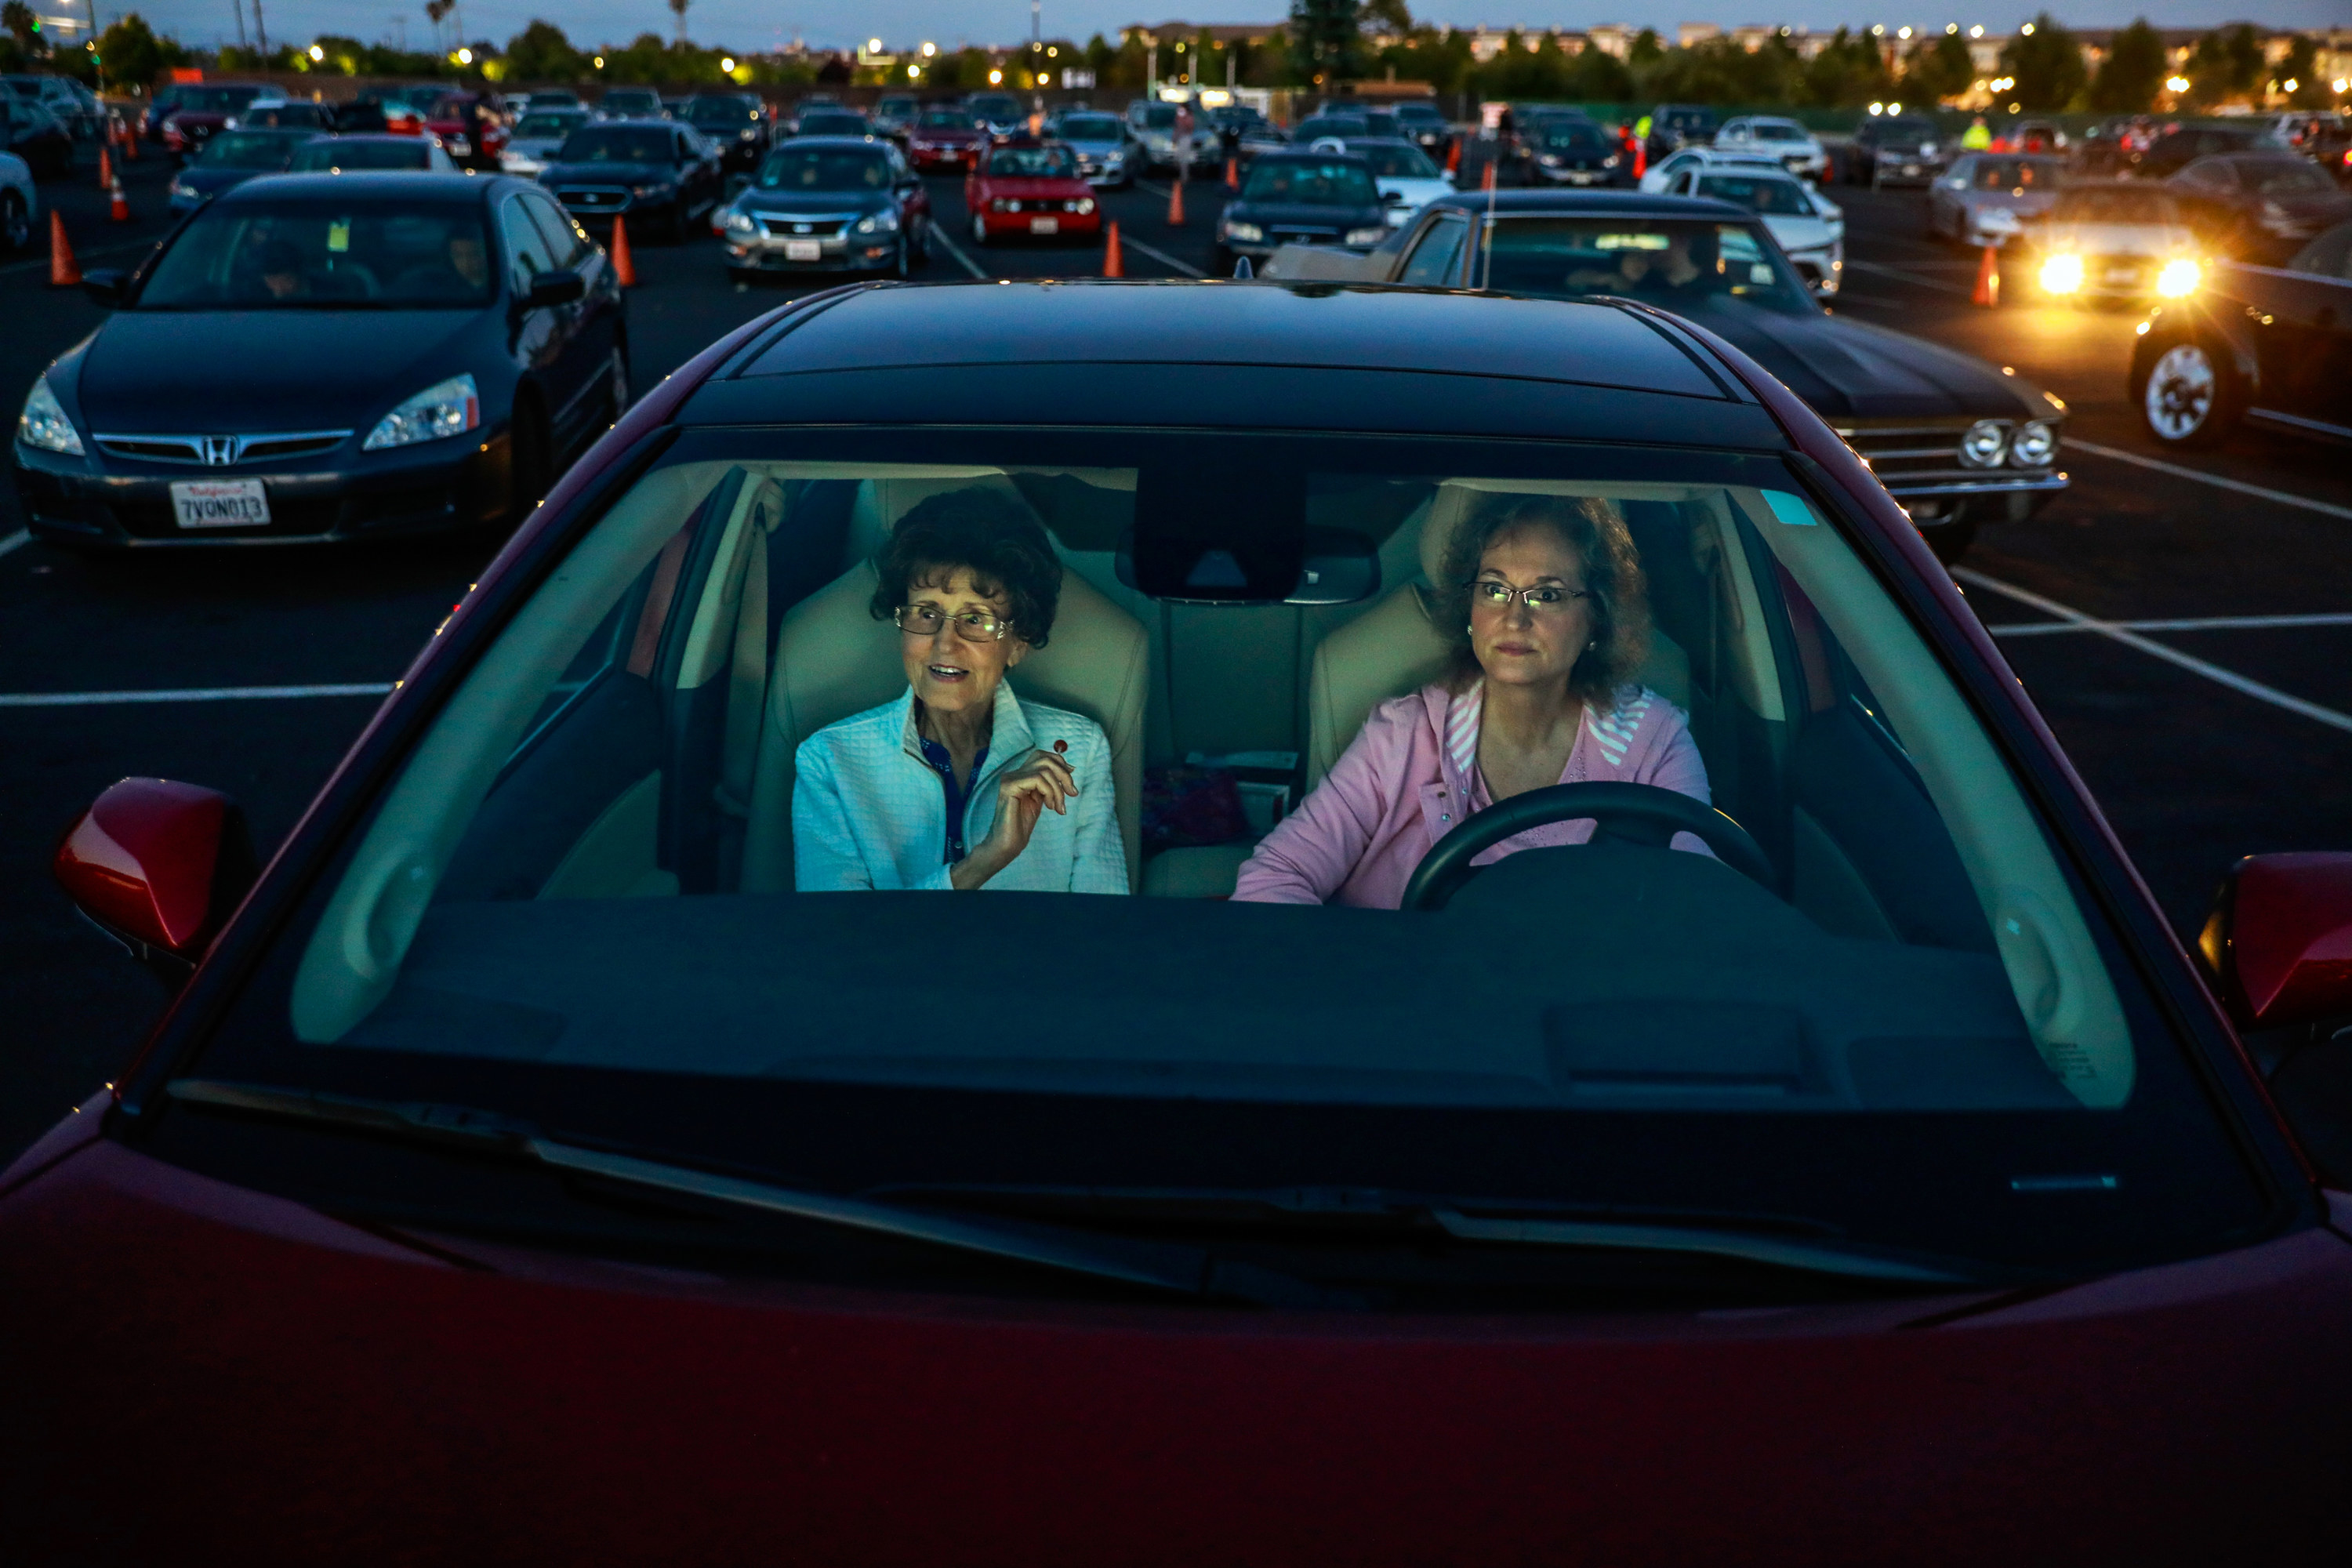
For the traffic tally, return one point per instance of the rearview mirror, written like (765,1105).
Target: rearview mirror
(737,185)
(2280,938)
(553,289)
(158,866)
(106,285)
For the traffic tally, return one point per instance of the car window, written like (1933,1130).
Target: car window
(1688,267)
(528,251)
(2284,176)
(2015,174)
(1090,128)
(1155,116)
(1398,162)
(1779,197)
(2114,204)
(585,895)
(249,149)
(2329,256)
(617,145)
(1434,261)
(790,168)
(552,125)
(946,119)
(567,242)
(1034,162)
(1311,183)
(256,255)
(1571,136)
(2212,176)
(832,125)
(352,152)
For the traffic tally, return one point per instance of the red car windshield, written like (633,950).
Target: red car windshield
(1034,164)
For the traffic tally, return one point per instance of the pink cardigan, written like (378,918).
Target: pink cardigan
(1411,776)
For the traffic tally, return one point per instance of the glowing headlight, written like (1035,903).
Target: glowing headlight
(1083,205)
(741,223)
(2179,277)
(2062,274)
(44,423)
(1981,446)
(879,223)
(2033,447)
(1368,236)
(1248,233)
(450,407)
(1609,162)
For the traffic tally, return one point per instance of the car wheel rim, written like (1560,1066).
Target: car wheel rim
(2181,392)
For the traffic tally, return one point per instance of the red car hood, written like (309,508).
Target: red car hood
(947,138)
(202,1372)
(1029,187)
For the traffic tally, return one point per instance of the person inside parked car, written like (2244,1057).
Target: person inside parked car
(1688,266)
(959,784)
(1549,592)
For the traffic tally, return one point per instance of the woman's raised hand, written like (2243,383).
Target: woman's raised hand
(1043,782)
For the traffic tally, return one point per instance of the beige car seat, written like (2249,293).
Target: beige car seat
(834,659)
(1395,647)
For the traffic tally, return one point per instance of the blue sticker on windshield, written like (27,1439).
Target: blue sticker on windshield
(1790,510)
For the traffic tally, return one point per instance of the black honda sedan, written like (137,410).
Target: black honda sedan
(328,357)
(650,170)
(1958,442)
(1311,198)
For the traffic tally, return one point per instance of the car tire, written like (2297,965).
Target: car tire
(2190,396)
(902,265)
(15,222)
(928,249)
(979,229)
(530,466)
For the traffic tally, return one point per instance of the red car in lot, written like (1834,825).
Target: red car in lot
(471,127)
(564,1150)
(1027,188)
(944,139)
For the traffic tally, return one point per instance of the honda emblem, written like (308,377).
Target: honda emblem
(220,451)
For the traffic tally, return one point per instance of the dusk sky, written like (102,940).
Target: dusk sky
(746,25)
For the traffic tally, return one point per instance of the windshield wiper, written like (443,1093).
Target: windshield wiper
(1363,1210)
(1178,1269)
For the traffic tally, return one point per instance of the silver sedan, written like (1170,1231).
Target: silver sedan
(1984,197)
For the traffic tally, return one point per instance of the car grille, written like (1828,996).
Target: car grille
(803,227)
(1916,457)
(223,451)
(1038,205)
(593,198)
(1288,235)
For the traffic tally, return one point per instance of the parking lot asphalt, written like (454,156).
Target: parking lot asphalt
(252,670)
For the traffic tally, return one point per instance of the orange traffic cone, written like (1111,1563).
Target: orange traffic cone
(1232,175)
(119,209)
(64,272)
(130,140)
(105,170)
(1987,292)
(1487,176)
(1453,156)
(1114,264)
(623,270)
(1176,201)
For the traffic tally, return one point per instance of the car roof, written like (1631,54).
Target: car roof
(394,182)
(1606,204)
(1302,155)
(867,143)
(1243,357)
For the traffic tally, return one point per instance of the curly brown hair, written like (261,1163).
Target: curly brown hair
(1593,528)
(991,535)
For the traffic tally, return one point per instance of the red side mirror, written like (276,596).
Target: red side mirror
(2280,938)
(159,865)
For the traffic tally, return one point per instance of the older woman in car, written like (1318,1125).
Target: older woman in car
(959,784)
(1548,594)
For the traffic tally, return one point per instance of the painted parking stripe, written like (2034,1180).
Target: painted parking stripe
(2189,624)
(2282,496)
(1875,269)
(1161,257)
(188,694)
(16,541)
(957,251)
(2118,632)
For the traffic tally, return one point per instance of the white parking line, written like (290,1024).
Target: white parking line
(2192,624)
(1161,257)
(957,251)
(2118,632)
(2283,497)
(16,541)
(190,694)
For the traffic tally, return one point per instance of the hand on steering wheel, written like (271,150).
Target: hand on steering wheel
(1634,812)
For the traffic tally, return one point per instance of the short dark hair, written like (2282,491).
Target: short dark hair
(989,534)
(1592,527)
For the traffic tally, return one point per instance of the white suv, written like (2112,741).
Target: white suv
(1795,148)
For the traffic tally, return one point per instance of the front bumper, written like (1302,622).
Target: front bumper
(838,252)
(605,202)
(1023,224)
(1888,169)
(435,487)
(941,157)
(1576,177)
(1823,270)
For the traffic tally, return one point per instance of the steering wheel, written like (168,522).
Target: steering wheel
(1631,813)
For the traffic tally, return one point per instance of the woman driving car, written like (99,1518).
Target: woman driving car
(1549,592)
(959,784)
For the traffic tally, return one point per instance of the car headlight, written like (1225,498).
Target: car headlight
(450,407)
(2033,447)
(1981,447)
(44,423)
(1372,235)
(230,123)
(1083,205)
(2061,273)
(879,223)
(1609,162)
(741,222)
(1927,148)
(2179,277)
(1247,232)
(1550,160)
